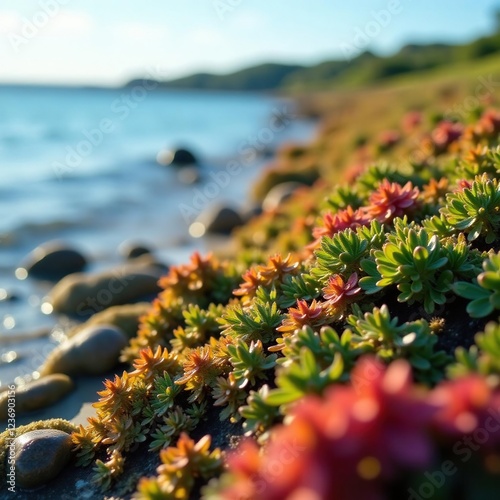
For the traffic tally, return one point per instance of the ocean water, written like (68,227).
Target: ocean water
(78,165)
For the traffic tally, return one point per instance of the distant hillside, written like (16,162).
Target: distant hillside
(364,69)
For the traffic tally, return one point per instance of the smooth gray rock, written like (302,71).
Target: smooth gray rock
(180,157)
(131,250)
(40,456)
(92,351)
(86,294)
(37,394)
(279,194)
(220,219)
(53,261)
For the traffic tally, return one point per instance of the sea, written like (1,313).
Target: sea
(79,165)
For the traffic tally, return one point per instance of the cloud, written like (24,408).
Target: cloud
(140,31)
(248,20)
(10,22)
(206,37)
(60,23)
(69,23)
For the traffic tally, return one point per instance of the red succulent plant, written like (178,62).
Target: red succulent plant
(343,219)
(391,200)
(339,293)
(313,315)
(344,446)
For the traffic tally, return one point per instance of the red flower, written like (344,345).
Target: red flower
(339,293)
(313,315)
(391,200)
(489,124)
(463,184)
(334,223)
(342,447)
(389,138)
(468,404)
(445,134)
(412,120)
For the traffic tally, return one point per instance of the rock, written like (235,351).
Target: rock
(189,175)
(52,261)
(131,250)
(148,262)
(279,194)
(92,351)
(252,211)
(84,295)
(40,456)
(6,296)
(177,157)
(126,318)
(37,394)
(219,219)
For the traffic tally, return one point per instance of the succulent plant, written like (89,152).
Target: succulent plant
(413,261)
(484,292)
(257,322)
(391,200)
(180,467)
(164,393)
(106,472)
(377,332)
(341,254)
(228,393)
(258,414)
(250,362)
(482,358)
(475,210)
(305,376)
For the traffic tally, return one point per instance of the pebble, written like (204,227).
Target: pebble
(84,295)
(180,157)
(40,456)
(51,261)
(92,351)
(219,219)
(36,394)
(131,250)
(279,194)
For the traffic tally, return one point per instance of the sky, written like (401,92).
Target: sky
(108,42)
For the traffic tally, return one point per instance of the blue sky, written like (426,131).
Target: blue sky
(110,41)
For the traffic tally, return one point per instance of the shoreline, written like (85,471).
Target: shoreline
(167,253)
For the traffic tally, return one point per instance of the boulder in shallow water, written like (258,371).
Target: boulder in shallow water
(219,219)
(37,394)
(40,456)
(92,351)
(84,295)
(52,261)
(131,250)
(279,194)
(189,175)
(180,157)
